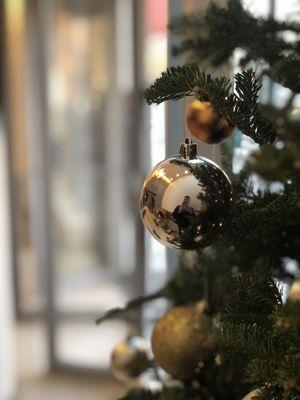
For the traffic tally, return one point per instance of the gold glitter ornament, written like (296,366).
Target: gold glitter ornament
(206,124)
(129,358)
(182,339)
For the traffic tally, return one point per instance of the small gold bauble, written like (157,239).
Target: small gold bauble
(294,292)
(206,124)
(181,340)
(185,200)
(129,359)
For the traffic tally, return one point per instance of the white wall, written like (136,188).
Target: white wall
(7,340)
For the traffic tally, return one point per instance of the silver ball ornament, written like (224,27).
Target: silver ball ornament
(185,200)
(129,358)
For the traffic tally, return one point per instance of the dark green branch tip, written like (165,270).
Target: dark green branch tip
(131,305)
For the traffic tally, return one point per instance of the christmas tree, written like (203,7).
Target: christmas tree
(243,338)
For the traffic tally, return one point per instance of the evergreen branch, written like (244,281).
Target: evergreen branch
(260,370)
(229,19)
(265,227)
(287,72)
(283,207)
(253,296)
(239,108)
(204,35)
(135,303)
(187,80)
(246,114)
(249,340)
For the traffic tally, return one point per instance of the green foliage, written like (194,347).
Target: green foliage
(130,305)
(239,107)
(187,286)
(268,346)
(187,80)
(254,295)
(281,161)
(216,34)
(280,212)
(291,79)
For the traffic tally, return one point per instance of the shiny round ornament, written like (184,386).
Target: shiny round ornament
(182,340)
(252,395)
(294,292)
(206,124)
(185,200)
(129,359)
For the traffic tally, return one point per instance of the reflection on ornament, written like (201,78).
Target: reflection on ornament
(185,200)
(182,340)
(252,395)
(129,359)
(206,124)
(294,292)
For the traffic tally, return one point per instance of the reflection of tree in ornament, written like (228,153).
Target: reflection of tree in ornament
(215,195)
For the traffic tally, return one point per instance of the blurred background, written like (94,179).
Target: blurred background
(76,142)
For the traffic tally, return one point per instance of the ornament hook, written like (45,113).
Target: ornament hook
(188,149)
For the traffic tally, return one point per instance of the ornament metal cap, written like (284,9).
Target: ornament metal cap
(188,149)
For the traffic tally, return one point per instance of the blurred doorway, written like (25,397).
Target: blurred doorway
(94,235)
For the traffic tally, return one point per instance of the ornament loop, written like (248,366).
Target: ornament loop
(188,149)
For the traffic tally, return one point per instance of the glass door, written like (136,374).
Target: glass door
(90,177)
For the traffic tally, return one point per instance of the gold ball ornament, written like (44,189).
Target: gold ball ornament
(294,292)
(185,200)
(182,340)
(252,395)
(129,359)
(206,124)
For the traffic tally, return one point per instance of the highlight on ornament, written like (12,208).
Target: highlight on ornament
(253,394)
(129,358)
(206,124)
(185,200)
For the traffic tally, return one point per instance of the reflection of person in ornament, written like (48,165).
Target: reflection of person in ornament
(183,213)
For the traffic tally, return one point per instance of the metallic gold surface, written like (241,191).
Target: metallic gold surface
(294,292)
(182,340)
(206,124)
(185,202)
(252,395)
(129,359)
